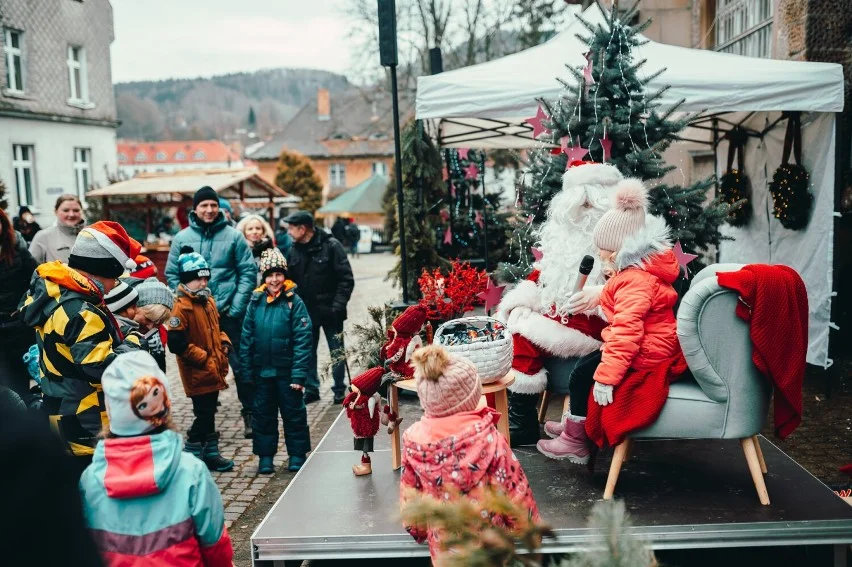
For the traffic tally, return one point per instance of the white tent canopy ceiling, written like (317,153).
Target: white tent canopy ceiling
(486,105)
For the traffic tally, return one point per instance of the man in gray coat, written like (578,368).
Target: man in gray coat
(232,279)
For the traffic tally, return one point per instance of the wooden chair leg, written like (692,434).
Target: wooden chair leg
(763,468)
(754,468)
(396,443)
(566,404)
(615,468)
(542,410)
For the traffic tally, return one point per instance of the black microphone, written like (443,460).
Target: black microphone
(586,265)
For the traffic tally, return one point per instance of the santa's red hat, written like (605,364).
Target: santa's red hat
(410,321)
(145,268)
(368,382)
(104,249)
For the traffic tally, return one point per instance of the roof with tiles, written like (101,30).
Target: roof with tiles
(131,153)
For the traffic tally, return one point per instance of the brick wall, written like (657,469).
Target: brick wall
(49,27)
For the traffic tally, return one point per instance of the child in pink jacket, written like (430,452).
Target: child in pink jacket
(456,448)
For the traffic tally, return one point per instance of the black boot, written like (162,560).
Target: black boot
(523,419)
(248,432)
(211,456)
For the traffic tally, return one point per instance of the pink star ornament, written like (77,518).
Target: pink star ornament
(537,253)
(463,153)
(536,122)
(491,296)
(478,219)
(471,171)
(683,258)
(574,153)
(448,236)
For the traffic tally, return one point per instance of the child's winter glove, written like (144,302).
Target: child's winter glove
(585,300)
(31,360)
(603,393)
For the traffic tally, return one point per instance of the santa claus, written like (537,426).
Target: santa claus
(543,313)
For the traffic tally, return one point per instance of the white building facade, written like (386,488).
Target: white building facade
(57,106)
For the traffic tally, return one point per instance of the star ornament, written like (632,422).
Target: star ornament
(536,122)
(537,253)
(471,171)
(683,258)
(478,219)
(448,236)
(491,296)
(574,153)
(463,153)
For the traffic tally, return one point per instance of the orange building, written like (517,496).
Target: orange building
(348,139)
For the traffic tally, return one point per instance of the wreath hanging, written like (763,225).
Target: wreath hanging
(791,182)
(734,184)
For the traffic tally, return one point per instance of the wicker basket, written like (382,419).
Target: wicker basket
(493,359)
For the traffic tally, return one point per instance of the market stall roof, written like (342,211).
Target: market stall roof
(226,182)
(366,197)
(486,105)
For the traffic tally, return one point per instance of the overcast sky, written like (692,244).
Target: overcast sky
(158,39)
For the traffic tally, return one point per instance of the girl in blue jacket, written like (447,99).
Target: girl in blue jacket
(275,349)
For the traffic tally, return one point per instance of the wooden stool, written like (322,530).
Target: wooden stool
(545,401)
(501,404)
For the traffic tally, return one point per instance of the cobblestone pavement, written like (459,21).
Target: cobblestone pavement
(242,486)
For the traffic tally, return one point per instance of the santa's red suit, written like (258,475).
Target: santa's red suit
(536,311)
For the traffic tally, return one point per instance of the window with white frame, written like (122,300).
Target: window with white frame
(337,174)
(23,159)
(380,168)
(82,170)
(13,46)
(141,156)
(161,156)
(180,156)
(199,155)
(744,27)
(77,74)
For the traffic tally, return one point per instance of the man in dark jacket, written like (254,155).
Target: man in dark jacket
(318,265)
(234,276)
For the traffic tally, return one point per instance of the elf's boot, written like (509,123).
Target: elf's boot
(212,458)
(364,468)
(195,448)
(572,444)
(248,433)
(523,419)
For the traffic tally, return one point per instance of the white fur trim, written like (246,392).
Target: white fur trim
(111,247)
(555,338)
(529,383)
(652,239)
(525,294)
(592,173)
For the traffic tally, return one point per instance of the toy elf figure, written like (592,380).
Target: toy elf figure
(363,408)
(403,339)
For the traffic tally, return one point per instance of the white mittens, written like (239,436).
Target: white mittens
(585,300)
(516,314)
(602,393)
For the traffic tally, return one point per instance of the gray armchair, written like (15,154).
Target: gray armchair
(725,397)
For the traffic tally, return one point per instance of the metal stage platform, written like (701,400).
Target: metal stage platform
(680,495)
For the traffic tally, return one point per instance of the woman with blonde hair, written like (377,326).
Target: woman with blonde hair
(55,242)
(259,235)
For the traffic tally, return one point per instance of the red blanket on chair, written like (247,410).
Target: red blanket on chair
(636,402)
(774,301)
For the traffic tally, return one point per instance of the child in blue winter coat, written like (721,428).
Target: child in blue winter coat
(275,349)
(147,502)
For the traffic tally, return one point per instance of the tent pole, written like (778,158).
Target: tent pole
(484,208)
(715,166)
(403,263)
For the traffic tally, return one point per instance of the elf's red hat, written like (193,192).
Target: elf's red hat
(368,382)
(410,321)
(145,268)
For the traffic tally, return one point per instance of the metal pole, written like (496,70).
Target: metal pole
(403,261)
(484,209)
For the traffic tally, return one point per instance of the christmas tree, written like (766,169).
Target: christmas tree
(606,110)
(422,188)
(470,224)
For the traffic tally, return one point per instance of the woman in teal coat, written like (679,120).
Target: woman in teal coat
(275,349)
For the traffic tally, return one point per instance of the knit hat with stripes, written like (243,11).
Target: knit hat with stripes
(121,296)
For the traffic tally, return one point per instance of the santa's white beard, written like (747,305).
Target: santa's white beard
(565,237)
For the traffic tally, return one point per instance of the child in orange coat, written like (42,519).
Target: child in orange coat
(456,448)
(640,354)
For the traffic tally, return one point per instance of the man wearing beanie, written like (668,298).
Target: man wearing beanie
(77,335)
(454,431)
(234,276)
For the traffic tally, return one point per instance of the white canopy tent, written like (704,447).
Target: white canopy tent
(486,105)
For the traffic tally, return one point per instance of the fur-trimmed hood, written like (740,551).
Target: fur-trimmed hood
(654,238)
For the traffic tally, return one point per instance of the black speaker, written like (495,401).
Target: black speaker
(436,62)
(387,32)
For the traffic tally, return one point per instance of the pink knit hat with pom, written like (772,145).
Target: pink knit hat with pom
(626,218)
(446,384)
